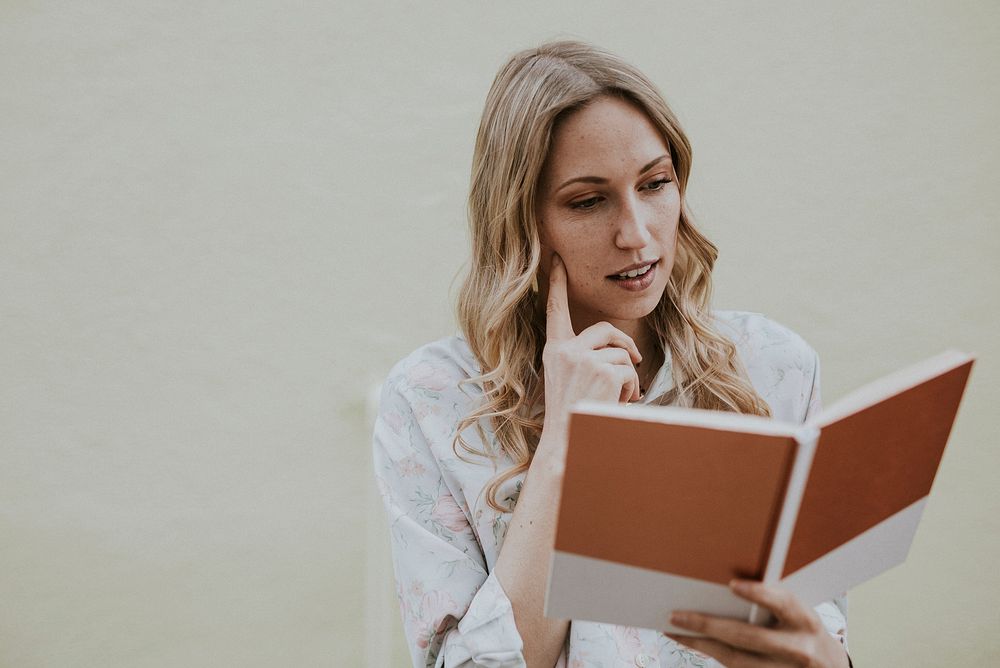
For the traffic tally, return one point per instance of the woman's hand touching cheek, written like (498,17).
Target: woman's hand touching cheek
(798,639)
(598,363)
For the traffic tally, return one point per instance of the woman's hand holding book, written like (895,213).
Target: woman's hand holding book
(796,638)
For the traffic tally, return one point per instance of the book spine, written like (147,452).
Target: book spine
(806,439)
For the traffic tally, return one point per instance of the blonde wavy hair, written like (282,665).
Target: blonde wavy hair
(497,309)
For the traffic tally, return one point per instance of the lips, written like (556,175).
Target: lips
(633,267)
(637,284)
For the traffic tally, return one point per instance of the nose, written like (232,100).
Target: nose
(633,225)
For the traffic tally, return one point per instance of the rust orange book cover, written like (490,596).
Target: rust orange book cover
(662,506)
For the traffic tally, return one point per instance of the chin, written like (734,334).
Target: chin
(638,314)
(633,311)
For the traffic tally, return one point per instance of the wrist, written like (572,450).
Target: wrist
(554,430)
(549,460)
(547,465)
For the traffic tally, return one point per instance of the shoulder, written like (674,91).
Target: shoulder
(424,397)
(433,370)
(761,337)
(421,400)
(781,364)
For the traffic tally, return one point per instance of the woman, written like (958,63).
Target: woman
(588,281)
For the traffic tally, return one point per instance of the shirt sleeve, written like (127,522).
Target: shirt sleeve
(833,613)
(455,612)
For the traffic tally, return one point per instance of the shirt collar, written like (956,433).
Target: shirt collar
(662,382)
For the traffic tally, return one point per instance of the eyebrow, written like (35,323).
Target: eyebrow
(598,179)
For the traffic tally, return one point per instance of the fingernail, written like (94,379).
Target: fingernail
(739,586)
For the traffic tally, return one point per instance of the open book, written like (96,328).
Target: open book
(662,506)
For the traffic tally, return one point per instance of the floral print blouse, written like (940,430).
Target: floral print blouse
(445,538)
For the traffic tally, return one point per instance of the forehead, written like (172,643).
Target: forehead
(607,135)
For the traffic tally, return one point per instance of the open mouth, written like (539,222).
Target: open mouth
(634,273)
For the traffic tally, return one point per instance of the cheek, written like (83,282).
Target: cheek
(670,215)
(557,238)
(545,263)
(549,244)
(581,253)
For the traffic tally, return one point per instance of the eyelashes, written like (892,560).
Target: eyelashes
(592,202)
(585,204)
(659,183)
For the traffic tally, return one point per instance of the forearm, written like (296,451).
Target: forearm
(522,566)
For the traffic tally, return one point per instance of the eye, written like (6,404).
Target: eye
(657,185)
(588,203)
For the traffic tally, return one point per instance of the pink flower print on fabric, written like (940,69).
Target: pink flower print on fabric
(626,639)
(411,467)
(630,644)
(429,377)
(422,409)
(395,421)
(433,613)
(424,633)
(447,513)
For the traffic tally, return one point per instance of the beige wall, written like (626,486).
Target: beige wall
(220,223)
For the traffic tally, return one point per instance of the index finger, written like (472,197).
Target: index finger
(558,324)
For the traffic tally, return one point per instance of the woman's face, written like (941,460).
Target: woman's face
(608,201)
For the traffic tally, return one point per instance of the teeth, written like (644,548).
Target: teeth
(635,272)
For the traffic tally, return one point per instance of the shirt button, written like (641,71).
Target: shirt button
(642,660)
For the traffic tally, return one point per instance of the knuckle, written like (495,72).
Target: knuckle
(814,623)
(698,623)
(743,637)
(786,600)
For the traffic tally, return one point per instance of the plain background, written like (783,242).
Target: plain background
(221,223)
